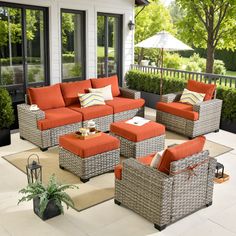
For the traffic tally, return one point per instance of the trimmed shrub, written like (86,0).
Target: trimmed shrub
(172,60)
(219,67)
(6,110)
(148,82)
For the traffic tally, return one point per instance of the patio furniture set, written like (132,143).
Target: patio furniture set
(161,187)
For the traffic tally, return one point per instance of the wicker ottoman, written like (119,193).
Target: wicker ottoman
(137,141)
(90,157)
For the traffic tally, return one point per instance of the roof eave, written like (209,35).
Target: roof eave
(141,2)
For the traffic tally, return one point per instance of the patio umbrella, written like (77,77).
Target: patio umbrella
(164,41)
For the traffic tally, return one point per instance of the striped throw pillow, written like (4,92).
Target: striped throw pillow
(91,99)
(191,97)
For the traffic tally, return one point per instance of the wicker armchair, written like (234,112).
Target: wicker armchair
(209,113)
(164,199)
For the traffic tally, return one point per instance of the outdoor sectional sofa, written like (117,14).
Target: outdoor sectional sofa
(60,111)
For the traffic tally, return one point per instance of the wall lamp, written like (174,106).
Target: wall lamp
(131,25)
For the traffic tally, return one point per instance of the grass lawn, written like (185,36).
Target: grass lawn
(231,73)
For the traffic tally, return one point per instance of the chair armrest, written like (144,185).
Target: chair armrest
(129,93)
(26,116)
(145,177)
(208,107)
(38,115)
(171,97)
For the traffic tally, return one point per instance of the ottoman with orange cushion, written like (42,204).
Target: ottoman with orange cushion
(137,141)
(89,157)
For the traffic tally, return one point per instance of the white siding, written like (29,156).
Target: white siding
(91,7)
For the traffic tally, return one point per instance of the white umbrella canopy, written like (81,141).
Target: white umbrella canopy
(164,41)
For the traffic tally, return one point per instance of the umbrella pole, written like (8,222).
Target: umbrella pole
(161,80)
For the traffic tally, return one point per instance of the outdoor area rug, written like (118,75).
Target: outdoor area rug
(99,188)
(96,191)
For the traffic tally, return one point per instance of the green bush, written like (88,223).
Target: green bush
(172,60)
(6,110)
(193,66)
(148,82)
(219,67)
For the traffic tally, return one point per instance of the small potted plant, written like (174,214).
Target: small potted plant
(6,117)
(47,200)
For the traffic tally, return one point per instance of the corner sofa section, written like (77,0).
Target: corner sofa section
(60,111)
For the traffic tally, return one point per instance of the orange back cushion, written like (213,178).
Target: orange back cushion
(47,97)
(200,87)
(179,152)
(113,81)
(70,90)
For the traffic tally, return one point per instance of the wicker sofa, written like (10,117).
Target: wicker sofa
(165,198)
(60,111)
(191,120)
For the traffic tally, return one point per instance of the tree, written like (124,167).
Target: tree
(209,24)
(154,18)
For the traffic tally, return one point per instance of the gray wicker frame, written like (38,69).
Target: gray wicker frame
(29,130)
(48,138)
(88,167)
(142,148)
(164,199)
(209,117)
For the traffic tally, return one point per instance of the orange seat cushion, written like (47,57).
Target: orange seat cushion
(59,117)
(120,104)
(179,152)
(146,160)
(70,90)
(178,109)
(47,97)
(89,147)
(92,112)
(136,133)
(102,82)
(118,172)
(200,87)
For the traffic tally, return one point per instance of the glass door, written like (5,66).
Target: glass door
(73,45)
(109,45)
(11,50)
(23,48)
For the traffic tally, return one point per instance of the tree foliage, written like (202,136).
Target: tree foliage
(152,19)
(208,24)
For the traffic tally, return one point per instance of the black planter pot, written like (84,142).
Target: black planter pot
(5,137)
(51,210)
(228,126)
(150,99)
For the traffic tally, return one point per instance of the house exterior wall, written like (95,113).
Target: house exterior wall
(91,7)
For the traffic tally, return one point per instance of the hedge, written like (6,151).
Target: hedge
(148,82)
(227,56)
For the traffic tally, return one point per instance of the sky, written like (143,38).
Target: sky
(166,2)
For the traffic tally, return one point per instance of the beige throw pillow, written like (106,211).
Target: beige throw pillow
(91,99)
(191,97)
(106,92)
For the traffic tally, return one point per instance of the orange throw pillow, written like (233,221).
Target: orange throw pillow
(47,97)
(179,152)
(200,87)
(70,90)
(102,82)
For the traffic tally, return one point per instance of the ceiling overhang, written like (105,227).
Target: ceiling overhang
(141,2)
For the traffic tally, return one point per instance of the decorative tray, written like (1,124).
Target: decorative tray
(82,137)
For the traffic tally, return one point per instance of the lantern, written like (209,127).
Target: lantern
(34,170)
(219,170)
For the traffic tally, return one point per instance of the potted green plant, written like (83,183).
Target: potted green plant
(47,200)
(6,117)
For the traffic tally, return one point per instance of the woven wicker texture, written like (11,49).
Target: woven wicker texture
(161,198)
(90,166)
(209,118)
(140,149)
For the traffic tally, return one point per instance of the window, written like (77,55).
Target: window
(73,45)
(23,48)
(109,45)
